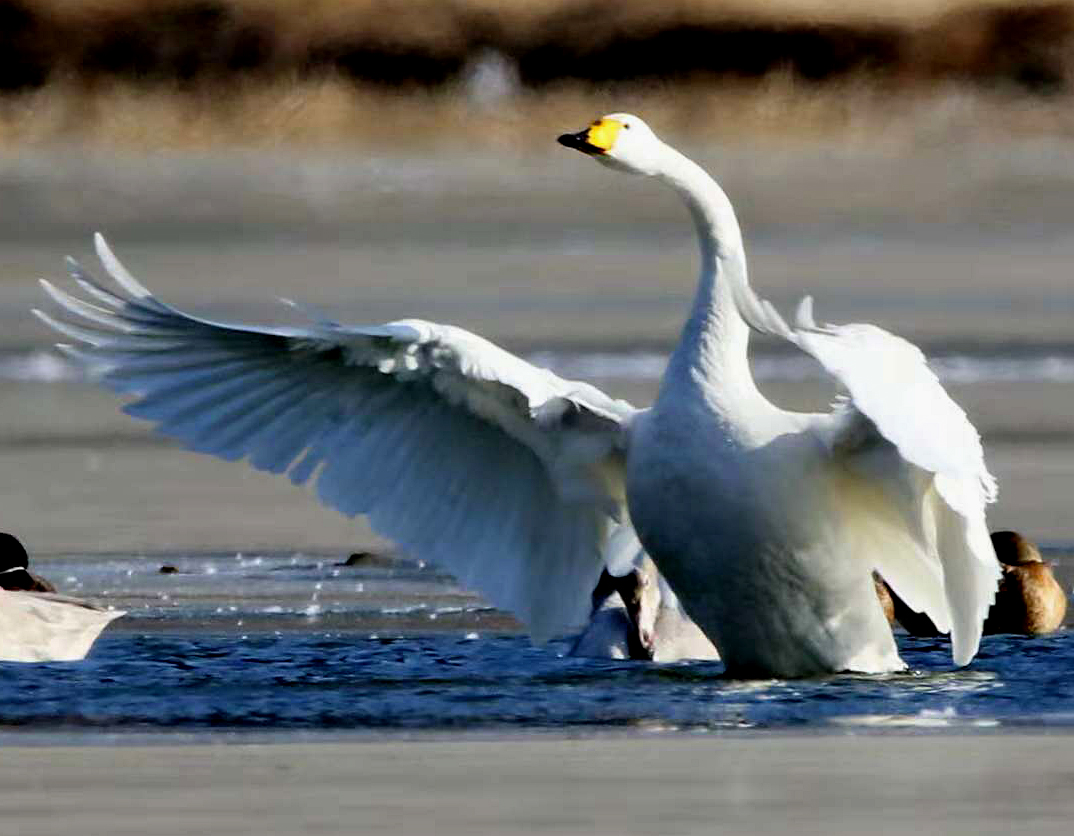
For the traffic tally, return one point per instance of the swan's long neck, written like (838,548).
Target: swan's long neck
(711,355)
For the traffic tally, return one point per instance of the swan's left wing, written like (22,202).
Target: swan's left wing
(464,454)
(897,427)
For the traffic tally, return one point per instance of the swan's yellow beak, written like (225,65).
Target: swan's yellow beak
(598,138)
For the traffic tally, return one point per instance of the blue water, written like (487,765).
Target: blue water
(184,660)
(345,681)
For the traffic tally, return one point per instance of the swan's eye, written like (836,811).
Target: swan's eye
(626,125)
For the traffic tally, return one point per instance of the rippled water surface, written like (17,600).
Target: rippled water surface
(296,643)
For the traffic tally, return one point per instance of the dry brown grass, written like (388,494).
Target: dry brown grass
(332,113)
(430,41)
(338,16)
(152,74)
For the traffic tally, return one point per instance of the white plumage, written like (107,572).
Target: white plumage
(766,523)
(461,452)
(46,627)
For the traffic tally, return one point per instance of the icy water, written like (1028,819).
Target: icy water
(298,642)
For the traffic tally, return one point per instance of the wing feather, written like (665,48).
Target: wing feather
(461,452)
(922,520)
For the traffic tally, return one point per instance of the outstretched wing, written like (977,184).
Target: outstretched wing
(898,429)
(461,452)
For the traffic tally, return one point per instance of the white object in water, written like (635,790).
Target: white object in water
(766,523)
(677,637)
(607,635)
(651,626)
(622,623)
(45,627)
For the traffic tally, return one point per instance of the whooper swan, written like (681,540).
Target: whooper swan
(766,523)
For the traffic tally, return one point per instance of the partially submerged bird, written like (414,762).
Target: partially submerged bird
(637,616)
(615,631)
(45,627)
(766,523)
(1029,600)
(37,625)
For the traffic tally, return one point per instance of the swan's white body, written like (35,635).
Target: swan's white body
(766,523)
(45,627)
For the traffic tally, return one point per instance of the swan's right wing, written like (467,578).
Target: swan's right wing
(464,454)
(912,445)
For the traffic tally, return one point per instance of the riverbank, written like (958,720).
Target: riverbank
(643,784)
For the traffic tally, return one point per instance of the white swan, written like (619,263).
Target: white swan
(637,616)
(766,523)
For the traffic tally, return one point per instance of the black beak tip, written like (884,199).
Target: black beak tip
(579,142)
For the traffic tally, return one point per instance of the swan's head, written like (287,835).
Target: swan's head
(620,141)
(1012,549)
(640,592)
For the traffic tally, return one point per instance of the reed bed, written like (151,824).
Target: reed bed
(194,73)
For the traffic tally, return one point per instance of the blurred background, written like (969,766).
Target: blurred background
(910,164)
